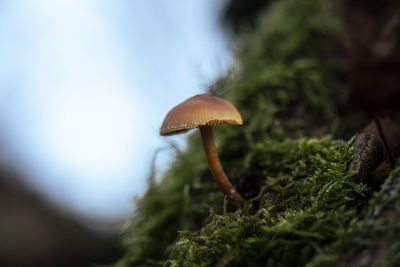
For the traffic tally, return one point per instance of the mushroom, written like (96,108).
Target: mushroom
(205,111)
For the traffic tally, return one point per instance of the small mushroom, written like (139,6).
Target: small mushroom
(205,111)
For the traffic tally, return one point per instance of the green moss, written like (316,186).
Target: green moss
(291,72)
(180,201)
(306,202)
(374,239)
(301,210)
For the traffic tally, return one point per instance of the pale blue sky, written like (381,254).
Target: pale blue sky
(85,85)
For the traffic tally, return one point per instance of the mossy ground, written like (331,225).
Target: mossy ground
(304,205)
(289,85)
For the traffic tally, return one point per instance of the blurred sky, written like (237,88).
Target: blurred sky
(85,85)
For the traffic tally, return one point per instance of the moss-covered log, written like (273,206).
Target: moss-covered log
(291,84)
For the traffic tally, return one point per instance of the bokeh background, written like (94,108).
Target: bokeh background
(84,87)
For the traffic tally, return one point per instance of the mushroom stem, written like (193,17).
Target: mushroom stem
(216,169)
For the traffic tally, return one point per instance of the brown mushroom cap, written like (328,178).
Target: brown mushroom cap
(199,110)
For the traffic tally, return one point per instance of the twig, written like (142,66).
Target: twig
(382,135)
